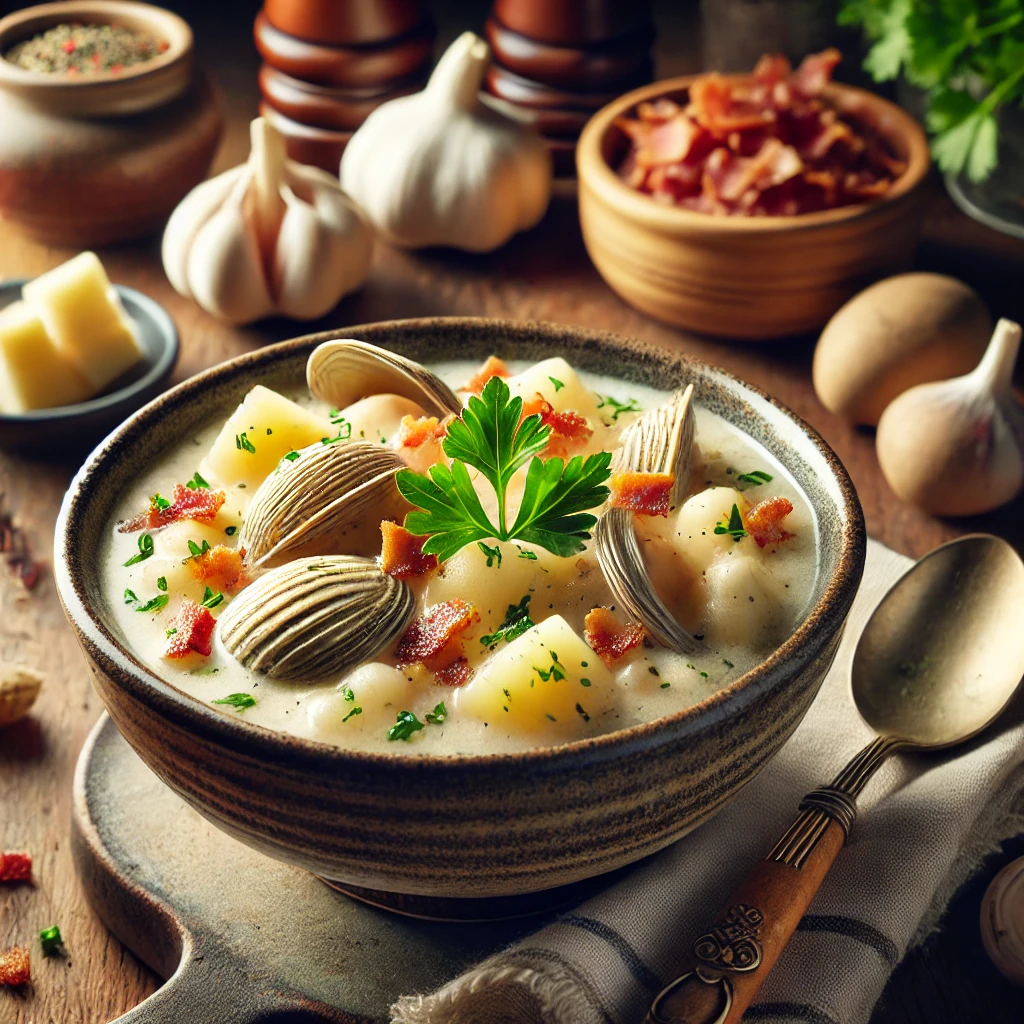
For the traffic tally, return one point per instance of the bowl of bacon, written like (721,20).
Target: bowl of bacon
(750,206)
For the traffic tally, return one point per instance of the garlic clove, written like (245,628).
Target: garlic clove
(953,447)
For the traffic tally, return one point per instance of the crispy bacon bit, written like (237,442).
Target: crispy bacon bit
(220,567)
(456,673)
(15,551)
(435,639)
(493,367)
(764,521)
(193,631)
(401,553)
(15,867)
(569,430)
(15,967)
(647,494)
(416,431)
(607,638)
(770,145)
(199,504)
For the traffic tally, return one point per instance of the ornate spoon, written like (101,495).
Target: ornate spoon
(938,661)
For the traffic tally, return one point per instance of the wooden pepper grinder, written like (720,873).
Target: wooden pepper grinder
(329,63)
(558,61)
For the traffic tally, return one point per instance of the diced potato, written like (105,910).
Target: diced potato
(558,383)
(34,373)
(83,314)
(379,691)
(744,603)
(258,434)
(378,417)
(695,527)
(547,682)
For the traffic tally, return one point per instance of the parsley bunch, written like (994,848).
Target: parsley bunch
(490,438)
(957,50)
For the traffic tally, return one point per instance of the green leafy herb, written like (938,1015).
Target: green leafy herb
(51,941)
(269,431)
(517,621)
(356,710)
(584,682)
(755,478)
(156,604)
(665,686)
(558,384)
(490,438)
(405,725)
(968,55)
(197,483)
(145,550)
(159,502)
(438,715)
(161,583)
(171,631)
(231,530)
(290,456)
(582,713)
(555,672)
(531,555)
(196,551)
(492,554)
(211,598)
(243,443)
(129,596)
(239,701)
(617,407)
(348,694)
(734,527)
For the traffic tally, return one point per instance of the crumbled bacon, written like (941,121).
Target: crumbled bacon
(455,673)
(188,503)
(493,367)
(764,521)
(435,639)
(568,430)
(401,553)
(648,494)
(220,567)
(608,638)
(193,631)
(416,431)
(15,867)
(770,145)
(15,967)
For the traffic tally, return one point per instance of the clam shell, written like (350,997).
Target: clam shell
(324,491)
(1002,922)
(659,441)
(315,617)
(342,372)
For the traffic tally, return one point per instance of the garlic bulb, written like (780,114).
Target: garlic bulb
(269,236)
(953,447)
(440,168)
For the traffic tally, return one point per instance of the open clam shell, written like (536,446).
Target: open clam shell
(323,492)
(659,441)
(315,617)
(343,371)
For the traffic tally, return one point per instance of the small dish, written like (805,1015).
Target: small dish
(69,429)
(753,278)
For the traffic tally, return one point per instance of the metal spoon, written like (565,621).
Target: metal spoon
(939,660)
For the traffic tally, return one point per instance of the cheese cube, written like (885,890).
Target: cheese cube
(34,373)
(258,434)
(81,311)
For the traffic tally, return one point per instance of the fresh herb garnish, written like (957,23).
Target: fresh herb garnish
(490,438)
(155,604)
(348,694)
(356,710)
(243,443)
(211,598)
(517,621)
(159,502)
(531,555)
(665,686)
(197,483)
(161,583)
(239,701)
(582,713)
(197,551)
(755,478)
(438,715)
(558,384)
(145,550)
(492,554)
(171,631)
(584,682)
(50,939)
(231,530)
(734,527)
(618,408)
(556,672)
(405,725)
(290,456)
(129,596)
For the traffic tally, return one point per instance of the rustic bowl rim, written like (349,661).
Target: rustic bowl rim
(595,173)
(250,739)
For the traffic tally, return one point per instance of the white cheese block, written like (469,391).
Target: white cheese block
(81,311)
(34,373)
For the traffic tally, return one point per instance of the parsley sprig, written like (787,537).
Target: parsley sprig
(733,527)
(490,438)
(517,622)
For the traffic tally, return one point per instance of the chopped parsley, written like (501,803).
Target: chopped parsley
(129,596)
(491,554)
(405,725)
(734,527)
(171,631)
(290,456)
(211,598)
(196,550)
(755,478)
(348,694)
(239,701)
(156,604)
(584,682)
(161,584)
(555,672)
(356,710)
(269,431)
(159,502)
(665,686)
(517,622)
(558,384)
(618,408)
(242,443)
(50,939)
(197,483)
(438,715)
(531,555)
(145,550)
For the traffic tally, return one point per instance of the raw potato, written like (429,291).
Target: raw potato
(273,425)
(906,330)
(19,688)
(509,692)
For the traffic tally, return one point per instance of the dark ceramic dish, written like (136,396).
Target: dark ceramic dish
(462,826)
(75,428)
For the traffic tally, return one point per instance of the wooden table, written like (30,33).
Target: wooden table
(544,275)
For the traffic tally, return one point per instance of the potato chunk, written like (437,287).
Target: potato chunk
(695,527)
(558,383)
(744,603)
(258,434)
(547,682)
(366,700)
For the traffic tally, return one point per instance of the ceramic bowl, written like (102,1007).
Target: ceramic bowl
(461,826)
(745,277)
(70,429)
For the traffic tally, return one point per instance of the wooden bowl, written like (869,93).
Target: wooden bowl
(460,826)
(750,278)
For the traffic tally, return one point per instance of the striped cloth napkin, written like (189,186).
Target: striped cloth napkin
(923,826)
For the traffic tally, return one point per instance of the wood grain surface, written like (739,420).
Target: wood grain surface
(542,275)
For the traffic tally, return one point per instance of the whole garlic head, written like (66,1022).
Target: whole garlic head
(953,447)
(270,236)
(440,168)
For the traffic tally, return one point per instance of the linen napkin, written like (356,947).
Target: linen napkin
(923,825)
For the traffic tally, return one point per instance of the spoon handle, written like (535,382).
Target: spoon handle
(731,960)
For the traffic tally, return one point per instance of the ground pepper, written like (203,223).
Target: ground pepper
(85,49)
